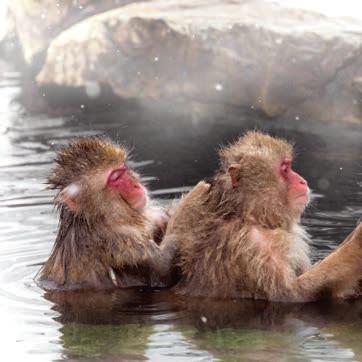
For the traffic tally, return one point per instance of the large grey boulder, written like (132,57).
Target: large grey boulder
(34,23)
(256,54)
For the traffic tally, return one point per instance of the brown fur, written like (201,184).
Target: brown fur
(104,242)
(245,241)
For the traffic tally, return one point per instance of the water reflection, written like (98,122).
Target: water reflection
(137,323)
(174,147)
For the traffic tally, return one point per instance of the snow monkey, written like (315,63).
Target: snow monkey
(239,236)
(106,230)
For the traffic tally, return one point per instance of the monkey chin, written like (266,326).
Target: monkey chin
(303,199)
(140,202)
(300,203)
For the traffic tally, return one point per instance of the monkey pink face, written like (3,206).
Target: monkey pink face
(298,189)
(132,191)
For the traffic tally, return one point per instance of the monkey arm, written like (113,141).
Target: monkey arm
(160,218)
(180,214)
(350,236)
(183,215)
(339,275)
(132,250)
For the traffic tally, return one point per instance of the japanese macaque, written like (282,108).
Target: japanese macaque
(239,236)
(107,226)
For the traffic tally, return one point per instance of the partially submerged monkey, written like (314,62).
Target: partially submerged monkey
(240,235)
(107,228)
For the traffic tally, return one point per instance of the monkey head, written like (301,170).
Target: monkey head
(258,171)
(93,178)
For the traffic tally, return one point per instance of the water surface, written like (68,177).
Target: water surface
(173,151)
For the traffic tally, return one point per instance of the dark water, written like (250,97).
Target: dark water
(173,152)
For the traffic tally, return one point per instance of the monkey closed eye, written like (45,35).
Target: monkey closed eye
(105,235)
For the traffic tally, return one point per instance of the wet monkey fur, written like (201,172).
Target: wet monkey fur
(107,225)
(240,236)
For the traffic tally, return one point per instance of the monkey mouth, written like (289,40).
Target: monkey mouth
(140,202)
(303,198)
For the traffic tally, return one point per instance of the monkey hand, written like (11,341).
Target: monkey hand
(200,189)
(159,219)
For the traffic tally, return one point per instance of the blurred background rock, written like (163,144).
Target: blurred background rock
(271,57)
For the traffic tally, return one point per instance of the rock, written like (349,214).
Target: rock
(255,54)
(10,49)
(357,84)
(37,22)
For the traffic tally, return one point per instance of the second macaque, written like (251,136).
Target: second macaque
(107,224)
(240,236)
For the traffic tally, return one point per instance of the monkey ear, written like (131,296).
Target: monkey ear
(233,171)
(69,196)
